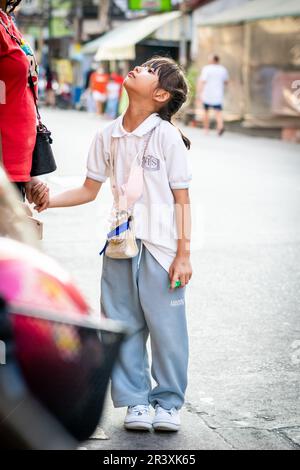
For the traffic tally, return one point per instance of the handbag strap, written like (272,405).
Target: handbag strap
(30,79)
(125,225)
(18,41)
(115,232)
(113,152)
(32,87)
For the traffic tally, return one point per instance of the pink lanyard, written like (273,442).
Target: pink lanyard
(129,193)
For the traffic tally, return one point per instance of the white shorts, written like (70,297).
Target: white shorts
(99,96)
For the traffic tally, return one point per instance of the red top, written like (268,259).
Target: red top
(17,109)
(99,81)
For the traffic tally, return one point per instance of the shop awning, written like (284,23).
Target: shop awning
(254,10)
(119,44)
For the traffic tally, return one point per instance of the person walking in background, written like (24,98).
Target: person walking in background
(210,91)
(87,95)
(88,75)
(98,85)
(113,96)
(50,93)
(119,78)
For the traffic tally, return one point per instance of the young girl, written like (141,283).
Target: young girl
(141,291)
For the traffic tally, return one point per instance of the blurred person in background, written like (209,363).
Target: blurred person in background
(50,93)
(64,96)
(87,97)
(118,78)
(211,87)
(88,75)
(113,96)
(42,84)
(98,85)
(18,119)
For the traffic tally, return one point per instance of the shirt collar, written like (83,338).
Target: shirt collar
(146,126)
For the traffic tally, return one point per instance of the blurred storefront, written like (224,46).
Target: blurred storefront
(136,40)
(51,34)
(259,42)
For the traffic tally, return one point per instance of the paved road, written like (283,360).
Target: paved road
(243,300)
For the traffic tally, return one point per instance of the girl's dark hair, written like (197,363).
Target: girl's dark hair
(171,78)
(11,5)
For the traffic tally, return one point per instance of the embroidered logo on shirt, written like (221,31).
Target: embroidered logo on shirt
(151,163)
(176,303)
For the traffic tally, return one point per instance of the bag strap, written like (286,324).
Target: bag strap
(31,84)
(115,232)
(30,79)
(113,152)
(18,41)
(125,225)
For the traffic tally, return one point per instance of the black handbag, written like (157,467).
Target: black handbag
(43,161)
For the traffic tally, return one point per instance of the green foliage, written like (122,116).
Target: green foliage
(192,77)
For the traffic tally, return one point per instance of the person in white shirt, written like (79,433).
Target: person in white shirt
(211,86)
(141,291)
(113,94)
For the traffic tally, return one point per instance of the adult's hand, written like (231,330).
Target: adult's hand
(29,187)
(37,192)
(40,196)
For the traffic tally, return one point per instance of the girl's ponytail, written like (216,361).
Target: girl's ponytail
(185,139)
(166,114)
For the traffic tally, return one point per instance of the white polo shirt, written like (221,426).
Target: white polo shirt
(166,167)
(214,76)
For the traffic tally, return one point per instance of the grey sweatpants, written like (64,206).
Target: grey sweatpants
(135,291)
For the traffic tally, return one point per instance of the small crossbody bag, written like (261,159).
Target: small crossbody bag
(121,240)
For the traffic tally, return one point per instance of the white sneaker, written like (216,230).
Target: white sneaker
(166,420)
(138,417)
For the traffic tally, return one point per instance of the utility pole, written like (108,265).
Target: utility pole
(183,41)
(50,28)
(78,21)
(103,15)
